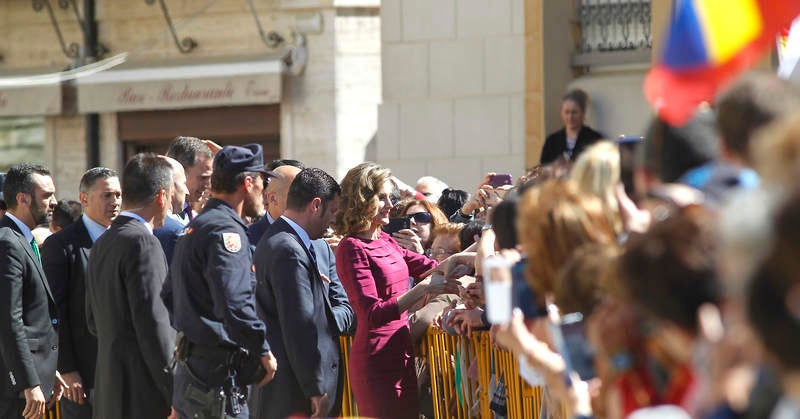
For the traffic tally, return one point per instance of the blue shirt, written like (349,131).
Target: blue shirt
(94,228)
(138,218)
(300,232)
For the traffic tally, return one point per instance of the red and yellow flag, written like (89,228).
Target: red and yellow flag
(709,43)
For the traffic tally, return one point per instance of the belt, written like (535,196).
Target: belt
(206,351)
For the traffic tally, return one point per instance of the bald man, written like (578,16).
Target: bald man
(173,225)
(276,195)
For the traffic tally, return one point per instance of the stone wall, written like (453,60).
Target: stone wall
(453,89)
(328,114)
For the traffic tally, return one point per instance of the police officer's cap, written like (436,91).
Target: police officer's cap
(236,159)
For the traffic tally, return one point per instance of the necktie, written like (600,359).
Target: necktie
(313,254)
(36,250)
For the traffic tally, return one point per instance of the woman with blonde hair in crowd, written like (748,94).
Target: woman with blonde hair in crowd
(597,172)
(374,270)
(554,220)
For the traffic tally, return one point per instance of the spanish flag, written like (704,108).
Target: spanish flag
(709,43)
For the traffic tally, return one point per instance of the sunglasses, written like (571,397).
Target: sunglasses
(420,217)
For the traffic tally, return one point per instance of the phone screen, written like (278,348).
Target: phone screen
(499,180)
(571,341)
(396,224)
(523,295)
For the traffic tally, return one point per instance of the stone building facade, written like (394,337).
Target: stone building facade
(471,86)
(325,116)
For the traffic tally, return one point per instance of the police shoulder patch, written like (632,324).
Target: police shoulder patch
(232,242)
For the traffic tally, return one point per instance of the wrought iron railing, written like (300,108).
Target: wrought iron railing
(621,27)
(614,25)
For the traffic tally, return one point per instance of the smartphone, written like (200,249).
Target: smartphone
(570,339)
(628,146)
(500,179)
(397,224)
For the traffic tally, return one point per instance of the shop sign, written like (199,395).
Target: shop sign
(176,94)
(30,100)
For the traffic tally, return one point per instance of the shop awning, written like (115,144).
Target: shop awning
(29,93)
(177,86)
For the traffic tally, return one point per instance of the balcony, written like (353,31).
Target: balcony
(612,32)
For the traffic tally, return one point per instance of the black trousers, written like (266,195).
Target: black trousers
(12,408)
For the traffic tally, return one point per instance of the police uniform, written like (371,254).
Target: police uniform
(213,300)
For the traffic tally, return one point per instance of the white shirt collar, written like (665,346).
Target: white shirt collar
(26,231)
(94,228)
(269,218)
(138,218)
(300,231)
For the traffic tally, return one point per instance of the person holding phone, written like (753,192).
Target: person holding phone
(374,270)
(422,219)
(571,140)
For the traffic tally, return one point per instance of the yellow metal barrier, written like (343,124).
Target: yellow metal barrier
(455,393)
(451,360)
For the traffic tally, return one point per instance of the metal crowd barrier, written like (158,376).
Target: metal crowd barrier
(455,393)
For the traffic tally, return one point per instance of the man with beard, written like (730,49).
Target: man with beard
(224,347)
(125,275)
(196,158)
(65,256)
(293,295)
(28,312)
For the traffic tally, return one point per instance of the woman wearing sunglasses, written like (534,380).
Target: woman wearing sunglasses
(423,217)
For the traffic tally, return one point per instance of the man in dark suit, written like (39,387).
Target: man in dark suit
(65,257)
(292,298)
(28,313)
(124,310)
(274,196)
(173,224)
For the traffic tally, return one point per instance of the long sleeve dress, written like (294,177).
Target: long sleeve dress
(374,273)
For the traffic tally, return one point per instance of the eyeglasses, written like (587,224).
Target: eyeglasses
(420,217)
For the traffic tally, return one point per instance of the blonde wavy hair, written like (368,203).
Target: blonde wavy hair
(359,199)
(554,220)
(596,172)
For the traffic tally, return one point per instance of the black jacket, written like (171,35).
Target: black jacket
(28,313)
(124,310)
(556,144)
(65,256)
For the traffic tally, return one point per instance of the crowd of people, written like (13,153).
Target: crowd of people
(646,277)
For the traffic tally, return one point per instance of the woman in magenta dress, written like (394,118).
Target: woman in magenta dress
(374,270)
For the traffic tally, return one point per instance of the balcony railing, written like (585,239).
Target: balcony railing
(613,32)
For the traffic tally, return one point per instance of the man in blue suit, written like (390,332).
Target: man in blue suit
(304,310)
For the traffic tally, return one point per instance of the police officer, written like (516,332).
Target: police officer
(212,285)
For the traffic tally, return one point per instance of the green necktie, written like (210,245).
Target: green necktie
(36,250)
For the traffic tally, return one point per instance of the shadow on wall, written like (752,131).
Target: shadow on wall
(617,105)
(370,150)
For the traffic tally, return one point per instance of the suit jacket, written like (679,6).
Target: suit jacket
(556,144)
(167,235)
(28,313)
(126,271)
(65,256)
(301,327)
